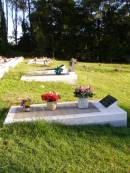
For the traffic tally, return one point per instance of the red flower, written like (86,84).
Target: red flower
(50,97)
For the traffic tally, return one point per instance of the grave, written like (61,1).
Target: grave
(6,64)
(67,113)
(67,76)
(40,61)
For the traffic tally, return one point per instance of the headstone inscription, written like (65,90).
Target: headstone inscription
(108,101)
(72,65)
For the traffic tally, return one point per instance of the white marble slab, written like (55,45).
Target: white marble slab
(113,115)
(69,77)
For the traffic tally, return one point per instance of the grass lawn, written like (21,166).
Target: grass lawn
(52,148)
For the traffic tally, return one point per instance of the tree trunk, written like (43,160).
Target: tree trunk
(16,23)
(3,31)
(29,11)
(7,16)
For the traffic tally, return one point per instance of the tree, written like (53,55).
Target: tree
(93,29)
(3,31)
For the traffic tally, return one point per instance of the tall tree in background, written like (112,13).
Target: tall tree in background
(93,29)
(16,6)
(3,31)
(7,13)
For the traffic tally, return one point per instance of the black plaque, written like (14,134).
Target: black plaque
(108,101)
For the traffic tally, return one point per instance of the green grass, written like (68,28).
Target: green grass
(52,148)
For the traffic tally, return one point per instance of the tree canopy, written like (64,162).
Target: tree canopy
(93,30)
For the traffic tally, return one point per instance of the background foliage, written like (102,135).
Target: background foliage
(91,30)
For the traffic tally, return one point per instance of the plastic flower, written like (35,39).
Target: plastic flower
(83,92)
(50,97)
(25,103)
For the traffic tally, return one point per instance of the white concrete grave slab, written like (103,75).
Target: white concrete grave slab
(66,76)
(67,113)
(4,67)
(49,76)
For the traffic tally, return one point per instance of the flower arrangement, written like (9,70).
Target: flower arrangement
(58,70)
(25,104)
(50,97)
(83,92)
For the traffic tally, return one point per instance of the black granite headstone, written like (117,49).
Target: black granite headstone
(108,101)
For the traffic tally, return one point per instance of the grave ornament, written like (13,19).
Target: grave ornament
(25,104)
(72,65)
(59,69)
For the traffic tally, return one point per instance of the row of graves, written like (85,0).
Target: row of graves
(81,112)
(7,63)
(57,74)
(41,61)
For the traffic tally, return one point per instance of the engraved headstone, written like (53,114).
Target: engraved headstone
(108,101)
(72,65)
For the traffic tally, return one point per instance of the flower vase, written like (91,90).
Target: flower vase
(27,109)
(83,103)
(51,106)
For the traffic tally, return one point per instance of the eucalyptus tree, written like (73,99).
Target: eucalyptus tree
(16,6)
(3,31)
(93,29)
(7,14)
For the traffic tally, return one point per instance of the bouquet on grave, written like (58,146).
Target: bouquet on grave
(50,97)
(26,103)
(83,92)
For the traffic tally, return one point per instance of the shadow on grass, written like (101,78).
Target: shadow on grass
(3,113)
(39,128)
(127,109)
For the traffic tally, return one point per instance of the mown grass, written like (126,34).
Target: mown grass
(52,148)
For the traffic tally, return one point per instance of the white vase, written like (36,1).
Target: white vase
(82,103)
(51,106)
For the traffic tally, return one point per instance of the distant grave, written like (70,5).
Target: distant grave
(57,74)
(41,61)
